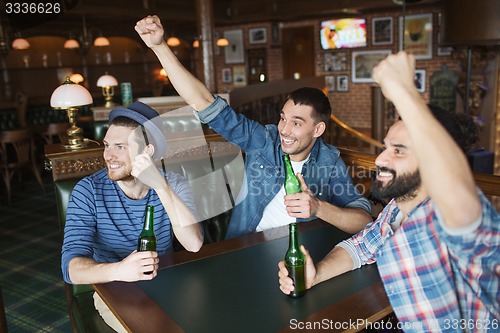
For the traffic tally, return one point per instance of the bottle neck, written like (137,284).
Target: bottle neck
(149,219)
(294,236)
(288,166)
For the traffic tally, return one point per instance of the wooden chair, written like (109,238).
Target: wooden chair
(22,107)
(17,152)
(56,133)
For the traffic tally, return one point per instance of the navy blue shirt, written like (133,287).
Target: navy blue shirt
(103,223)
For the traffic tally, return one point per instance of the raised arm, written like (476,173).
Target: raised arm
(184,223)
(192,90)
(443,167)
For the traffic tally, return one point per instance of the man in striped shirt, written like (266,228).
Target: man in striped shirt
(106,210)
(437,242)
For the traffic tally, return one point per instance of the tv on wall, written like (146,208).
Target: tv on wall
(343,33)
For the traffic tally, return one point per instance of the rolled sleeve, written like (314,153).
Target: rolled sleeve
(212,110)
(361,203)
(348,245)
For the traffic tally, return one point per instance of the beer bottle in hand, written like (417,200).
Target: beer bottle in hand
(147,237)
(295,262)
(292,183)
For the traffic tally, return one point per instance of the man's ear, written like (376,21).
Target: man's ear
(150,150)
(319,129)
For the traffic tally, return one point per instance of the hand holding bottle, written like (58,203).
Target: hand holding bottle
(302,204)
(135,266)
(286,283)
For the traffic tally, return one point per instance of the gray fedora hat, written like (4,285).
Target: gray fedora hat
(150,119)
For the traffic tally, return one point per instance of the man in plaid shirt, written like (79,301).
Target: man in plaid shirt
(436,243)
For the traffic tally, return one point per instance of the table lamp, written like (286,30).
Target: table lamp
(107,83)
(69,96)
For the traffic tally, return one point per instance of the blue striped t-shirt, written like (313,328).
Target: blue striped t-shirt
(104,224)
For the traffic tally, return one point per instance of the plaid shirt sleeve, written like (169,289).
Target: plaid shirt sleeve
(364,246)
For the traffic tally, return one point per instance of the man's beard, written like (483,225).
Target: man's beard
(402,188)
(123,176)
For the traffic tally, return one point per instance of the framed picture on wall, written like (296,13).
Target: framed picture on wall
(239,76)
(363,63)
(257,35)
(382,30)
(227,76)
(342,83)
(335,61)
(234,53)
(417,35)
(330,83)
(420,80)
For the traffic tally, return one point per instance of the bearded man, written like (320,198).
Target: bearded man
(437,242)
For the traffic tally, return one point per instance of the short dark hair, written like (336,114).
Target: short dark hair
(130,123)
(124,122)
(462,127)
(314,98)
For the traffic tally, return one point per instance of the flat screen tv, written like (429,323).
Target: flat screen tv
(343,33)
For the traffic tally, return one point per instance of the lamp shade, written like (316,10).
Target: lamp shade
(173,41)
(107,81)
(71,44)
(77,78)
(69,95)
(20,44)
(221,42)
(101,41)
(196,43)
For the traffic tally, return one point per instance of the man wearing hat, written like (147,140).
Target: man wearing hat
(106,210)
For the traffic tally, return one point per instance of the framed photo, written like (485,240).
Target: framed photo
(234,53)
(227,77)
(382,30)
(335,61)
(257,35)
(342,83)
(363,63)
(420,80)
(239,76)
(417,35)
(330,83)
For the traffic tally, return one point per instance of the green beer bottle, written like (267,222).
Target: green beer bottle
(295,262)
(292,183)
(147,237)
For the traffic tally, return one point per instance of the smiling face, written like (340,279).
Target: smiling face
(120,149)
(397,169)
(298,130)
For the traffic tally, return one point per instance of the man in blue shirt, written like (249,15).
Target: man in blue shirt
(327,189)
(106,210)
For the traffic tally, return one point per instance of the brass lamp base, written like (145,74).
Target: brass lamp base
(75,133)
(82,145)
(108,93)
(109,102)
